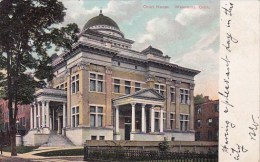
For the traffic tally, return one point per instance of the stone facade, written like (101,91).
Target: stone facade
(116,93)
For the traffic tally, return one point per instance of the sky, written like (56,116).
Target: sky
(187,31)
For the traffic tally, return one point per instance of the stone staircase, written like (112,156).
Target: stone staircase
(58,140)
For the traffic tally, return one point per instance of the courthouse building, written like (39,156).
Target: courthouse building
(105,90)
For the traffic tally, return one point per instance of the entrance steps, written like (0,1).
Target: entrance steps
(58,140)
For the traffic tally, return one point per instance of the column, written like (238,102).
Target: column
(108,91)
(177,118)
(43,114)
(58,125)
(53,118)
(133,118)
(191,121)
(34,115)
(31,117)
(152,119)
(143,118)
(64,114)
(161,120)
(39,115)
(48,114)
(168,103)
(117,120)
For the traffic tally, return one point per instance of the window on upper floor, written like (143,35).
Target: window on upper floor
(210,122)
(198,110)
(116,85)
(127,87)
(198,123)
(172,91)
(184,96)
(96,82)
(160,88)
(216,108)
(75,84)
(137,86)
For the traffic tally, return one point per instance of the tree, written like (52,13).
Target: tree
(1,119)
(27,32)
(198,99)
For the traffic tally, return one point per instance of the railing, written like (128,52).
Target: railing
(98,154)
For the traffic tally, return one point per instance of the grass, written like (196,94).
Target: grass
(20,149)
(70,152)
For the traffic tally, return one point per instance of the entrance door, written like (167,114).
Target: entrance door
(60,124)
(127,128)
(127,131)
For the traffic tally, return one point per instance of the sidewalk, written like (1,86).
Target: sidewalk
(31,157)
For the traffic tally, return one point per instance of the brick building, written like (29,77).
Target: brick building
(23,116)
(206,120)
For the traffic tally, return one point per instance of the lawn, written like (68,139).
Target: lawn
(70,152)
(20,149)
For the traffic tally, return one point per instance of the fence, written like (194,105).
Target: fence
(97,154)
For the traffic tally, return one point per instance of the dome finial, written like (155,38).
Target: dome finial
(100,13)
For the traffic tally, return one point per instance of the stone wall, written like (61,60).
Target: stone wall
(176,146)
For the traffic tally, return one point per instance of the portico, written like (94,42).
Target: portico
(142,106)
(48,112)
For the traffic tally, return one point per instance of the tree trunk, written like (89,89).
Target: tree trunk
(10,105)
(13,140)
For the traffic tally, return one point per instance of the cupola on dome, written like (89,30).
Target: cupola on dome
(103,23)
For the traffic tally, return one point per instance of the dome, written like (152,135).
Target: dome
(151,50)
(101,20)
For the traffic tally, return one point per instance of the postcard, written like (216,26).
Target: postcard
(143,79)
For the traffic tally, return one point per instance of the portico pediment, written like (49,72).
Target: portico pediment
(148,93)
(148,96)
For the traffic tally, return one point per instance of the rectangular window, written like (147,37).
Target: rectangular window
(127,87)
(137,86)
(198,110)
(184,96)
(160,88)
(209,135)
(96,116)
(198,123)
(93,137)
(172,120)
(164,120)
(172,91)
(75,116)
(184,119)
(75,83)
(216,107)
(197,136)
(156,122)
(210,122)
(96,82)
(101,137)
(116,85)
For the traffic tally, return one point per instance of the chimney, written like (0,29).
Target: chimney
(206,98)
